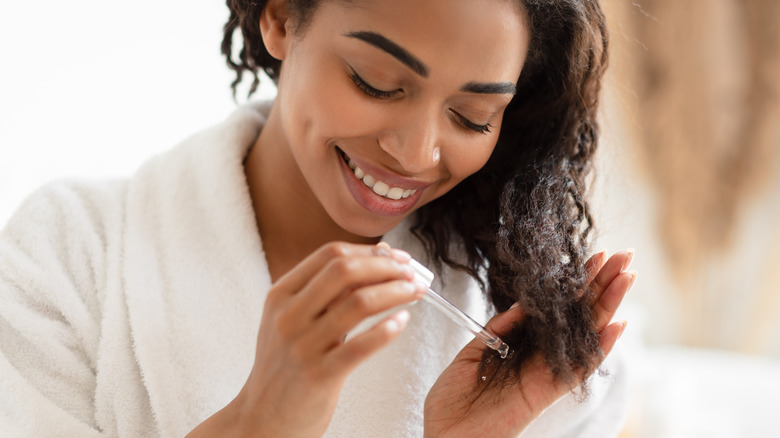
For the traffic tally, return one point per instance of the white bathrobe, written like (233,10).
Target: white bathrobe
(130,308)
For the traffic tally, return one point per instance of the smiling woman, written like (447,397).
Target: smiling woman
(220,290)
(417,136)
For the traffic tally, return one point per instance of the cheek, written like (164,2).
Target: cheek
(464,161)
(334,109)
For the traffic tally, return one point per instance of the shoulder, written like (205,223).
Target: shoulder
(60,210)
(55,247)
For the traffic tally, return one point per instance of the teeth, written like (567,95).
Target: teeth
(379,187)
(394,193)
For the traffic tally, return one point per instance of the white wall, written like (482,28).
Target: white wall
(92,88)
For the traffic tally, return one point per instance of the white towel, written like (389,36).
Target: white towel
(131,308)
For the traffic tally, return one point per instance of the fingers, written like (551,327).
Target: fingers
(610,300)
(610,285)
(340,319)
(503,322)
(340,277)
(298,277)
(609,337)
(335,289)
(499,324)
(608,271)
(348,356)
(594,264)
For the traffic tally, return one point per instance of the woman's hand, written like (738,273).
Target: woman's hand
(302,357)
(454,409)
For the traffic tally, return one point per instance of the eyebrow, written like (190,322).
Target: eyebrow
(489,88)
(414,63)
(393,49)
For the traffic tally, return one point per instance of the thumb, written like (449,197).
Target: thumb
(499,325)
(503,322)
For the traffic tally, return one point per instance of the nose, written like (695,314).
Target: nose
(414,142)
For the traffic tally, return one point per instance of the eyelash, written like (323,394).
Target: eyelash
(371,91)
(381,94)
(482,129)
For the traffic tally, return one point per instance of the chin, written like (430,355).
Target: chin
(368,227)
(371,230)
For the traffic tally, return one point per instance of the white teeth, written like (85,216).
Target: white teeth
(394,193)
(379,187)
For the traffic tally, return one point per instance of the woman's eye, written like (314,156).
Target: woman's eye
(371,91)
(482,129)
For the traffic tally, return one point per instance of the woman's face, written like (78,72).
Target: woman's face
(387,105)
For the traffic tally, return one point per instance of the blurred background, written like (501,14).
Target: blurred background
(689,176)
(688,171)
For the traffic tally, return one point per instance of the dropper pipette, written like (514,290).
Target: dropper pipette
(425,276)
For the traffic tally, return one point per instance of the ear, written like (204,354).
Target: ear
(275,27)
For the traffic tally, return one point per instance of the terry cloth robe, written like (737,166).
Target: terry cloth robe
(130,308)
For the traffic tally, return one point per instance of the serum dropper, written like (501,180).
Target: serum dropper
(425,276)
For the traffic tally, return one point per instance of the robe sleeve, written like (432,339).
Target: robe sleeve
(52,269)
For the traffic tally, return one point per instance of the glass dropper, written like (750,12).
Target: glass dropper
(425,276)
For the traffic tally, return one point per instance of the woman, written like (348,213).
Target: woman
(459,131)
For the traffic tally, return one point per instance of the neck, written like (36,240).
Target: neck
(291,221)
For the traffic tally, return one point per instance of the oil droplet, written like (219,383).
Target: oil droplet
(503,350)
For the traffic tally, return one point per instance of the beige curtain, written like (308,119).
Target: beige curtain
(700,84)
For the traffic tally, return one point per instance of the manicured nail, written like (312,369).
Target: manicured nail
(633,278)
(422,289)
(401,255)
(622,329)
(628,260)
(382,249)
(408,272)
(398,321)
(599,256)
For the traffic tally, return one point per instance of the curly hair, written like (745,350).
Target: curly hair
(529,242)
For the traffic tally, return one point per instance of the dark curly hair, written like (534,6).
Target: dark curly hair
(529,241)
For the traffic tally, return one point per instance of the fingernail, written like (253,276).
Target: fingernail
(622,329)
(398,321)
(401,255)
(633,278)
(408,272)
(514,305)
(382,249)
(629,259)
(415,288)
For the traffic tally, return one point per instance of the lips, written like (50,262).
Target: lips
(379,191)
(379,187)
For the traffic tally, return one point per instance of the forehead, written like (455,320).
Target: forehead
(474,37)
